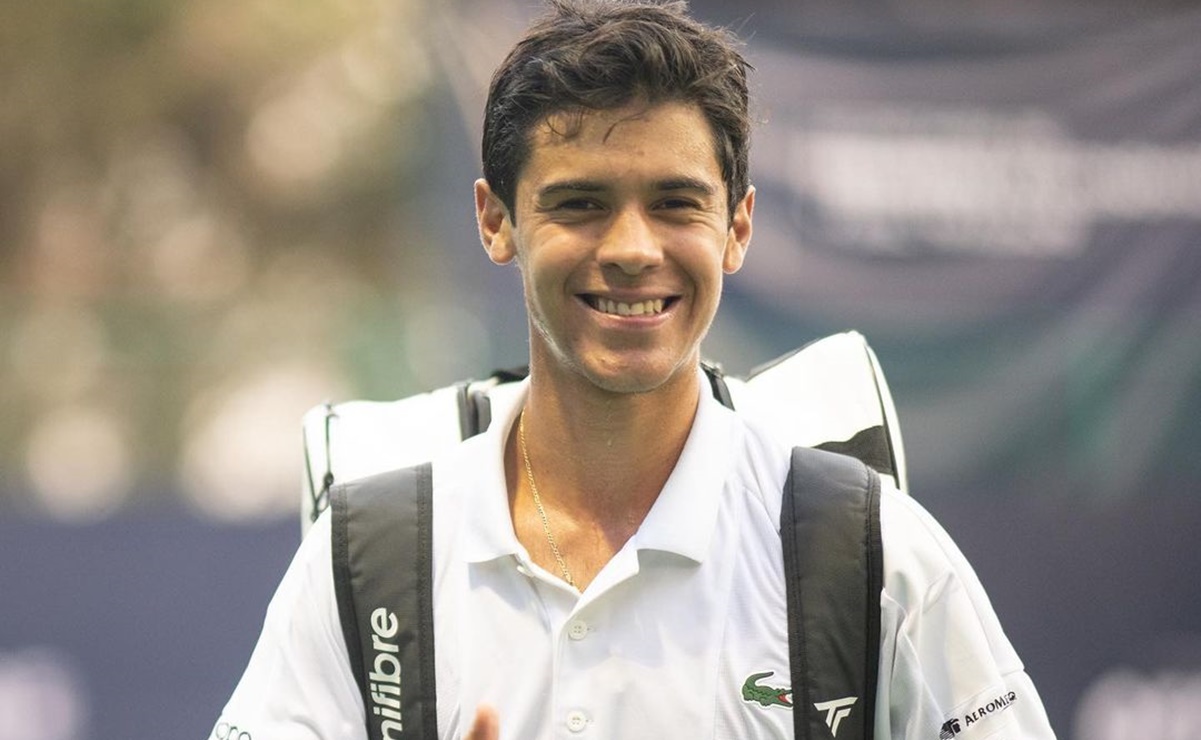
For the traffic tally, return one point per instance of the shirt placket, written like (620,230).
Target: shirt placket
(580,705)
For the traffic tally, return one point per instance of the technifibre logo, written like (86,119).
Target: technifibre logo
(226,731)
(385,674)
(836,711)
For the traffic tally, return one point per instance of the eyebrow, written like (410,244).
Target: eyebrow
(593,186)
(686,183)
(572,186)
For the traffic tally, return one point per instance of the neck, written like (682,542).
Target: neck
(606,450)
(600,460)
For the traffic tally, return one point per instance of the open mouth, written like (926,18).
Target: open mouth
(639,308)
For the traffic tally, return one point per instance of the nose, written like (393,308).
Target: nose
(630,243)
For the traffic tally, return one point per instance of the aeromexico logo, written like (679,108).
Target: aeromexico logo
(384,679)
(954,726)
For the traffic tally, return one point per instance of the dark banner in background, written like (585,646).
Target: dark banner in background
(1016,224)
(1006,202)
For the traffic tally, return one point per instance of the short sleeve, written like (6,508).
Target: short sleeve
(298,683)
(947,669)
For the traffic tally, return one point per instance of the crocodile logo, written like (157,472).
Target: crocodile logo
(765,695)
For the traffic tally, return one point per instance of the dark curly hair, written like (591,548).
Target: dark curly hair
(587,55)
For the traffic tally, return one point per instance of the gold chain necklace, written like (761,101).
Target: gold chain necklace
(529,474)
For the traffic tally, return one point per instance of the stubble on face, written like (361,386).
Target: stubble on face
(623,206)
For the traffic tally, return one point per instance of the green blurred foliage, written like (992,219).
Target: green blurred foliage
(192,194)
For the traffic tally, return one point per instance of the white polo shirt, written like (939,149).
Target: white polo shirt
(662,642)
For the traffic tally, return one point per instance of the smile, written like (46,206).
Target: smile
(617,308)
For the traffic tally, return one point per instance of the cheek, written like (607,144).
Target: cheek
(542,280)
(705,260)
(550,261)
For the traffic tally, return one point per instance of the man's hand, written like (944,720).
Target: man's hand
(486,725)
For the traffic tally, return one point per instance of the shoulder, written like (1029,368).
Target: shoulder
(927,579)
(760,461)
(300,653)
(919,555)
(306,596)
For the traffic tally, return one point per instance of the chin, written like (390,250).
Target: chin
(625,385)
(639,379)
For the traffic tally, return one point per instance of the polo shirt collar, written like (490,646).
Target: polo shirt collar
(684,517)
(681,521)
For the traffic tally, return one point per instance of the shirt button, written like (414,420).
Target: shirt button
(578,629)
(577,721)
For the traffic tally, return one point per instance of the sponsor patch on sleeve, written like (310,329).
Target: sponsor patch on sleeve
(977,713)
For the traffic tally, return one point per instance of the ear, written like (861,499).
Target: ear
(739,236)
(495,225)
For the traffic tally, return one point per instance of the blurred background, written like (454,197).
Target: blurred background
(215,215)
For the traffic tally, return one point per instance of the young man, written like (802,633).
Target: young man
(607,560)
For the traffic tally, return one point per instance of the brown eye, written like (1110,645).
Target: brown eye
(578,204)
(678,202)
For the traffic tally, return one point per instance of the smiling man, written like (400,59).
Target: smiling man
(621,227)
(606,558)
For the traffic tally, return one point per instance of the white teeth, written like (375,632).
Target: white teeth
(641,308)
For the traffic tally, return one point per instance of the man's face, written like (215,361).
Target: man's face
(622,235)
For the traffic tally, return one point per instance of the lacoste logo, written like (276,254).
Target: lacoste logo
(836,711)
(765,695)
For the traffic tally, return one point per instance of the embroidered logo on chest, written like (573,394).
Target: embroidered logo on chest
(753,691)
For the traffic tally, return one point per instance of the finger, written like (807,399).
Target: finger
(486,725)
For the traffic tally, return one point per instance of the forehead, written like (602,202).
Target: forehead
(652,140)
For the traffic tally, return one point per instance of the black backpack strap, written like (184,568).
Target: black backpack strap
(469,420)
(717,383)
(475,407)
(833,566)
(382,532)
